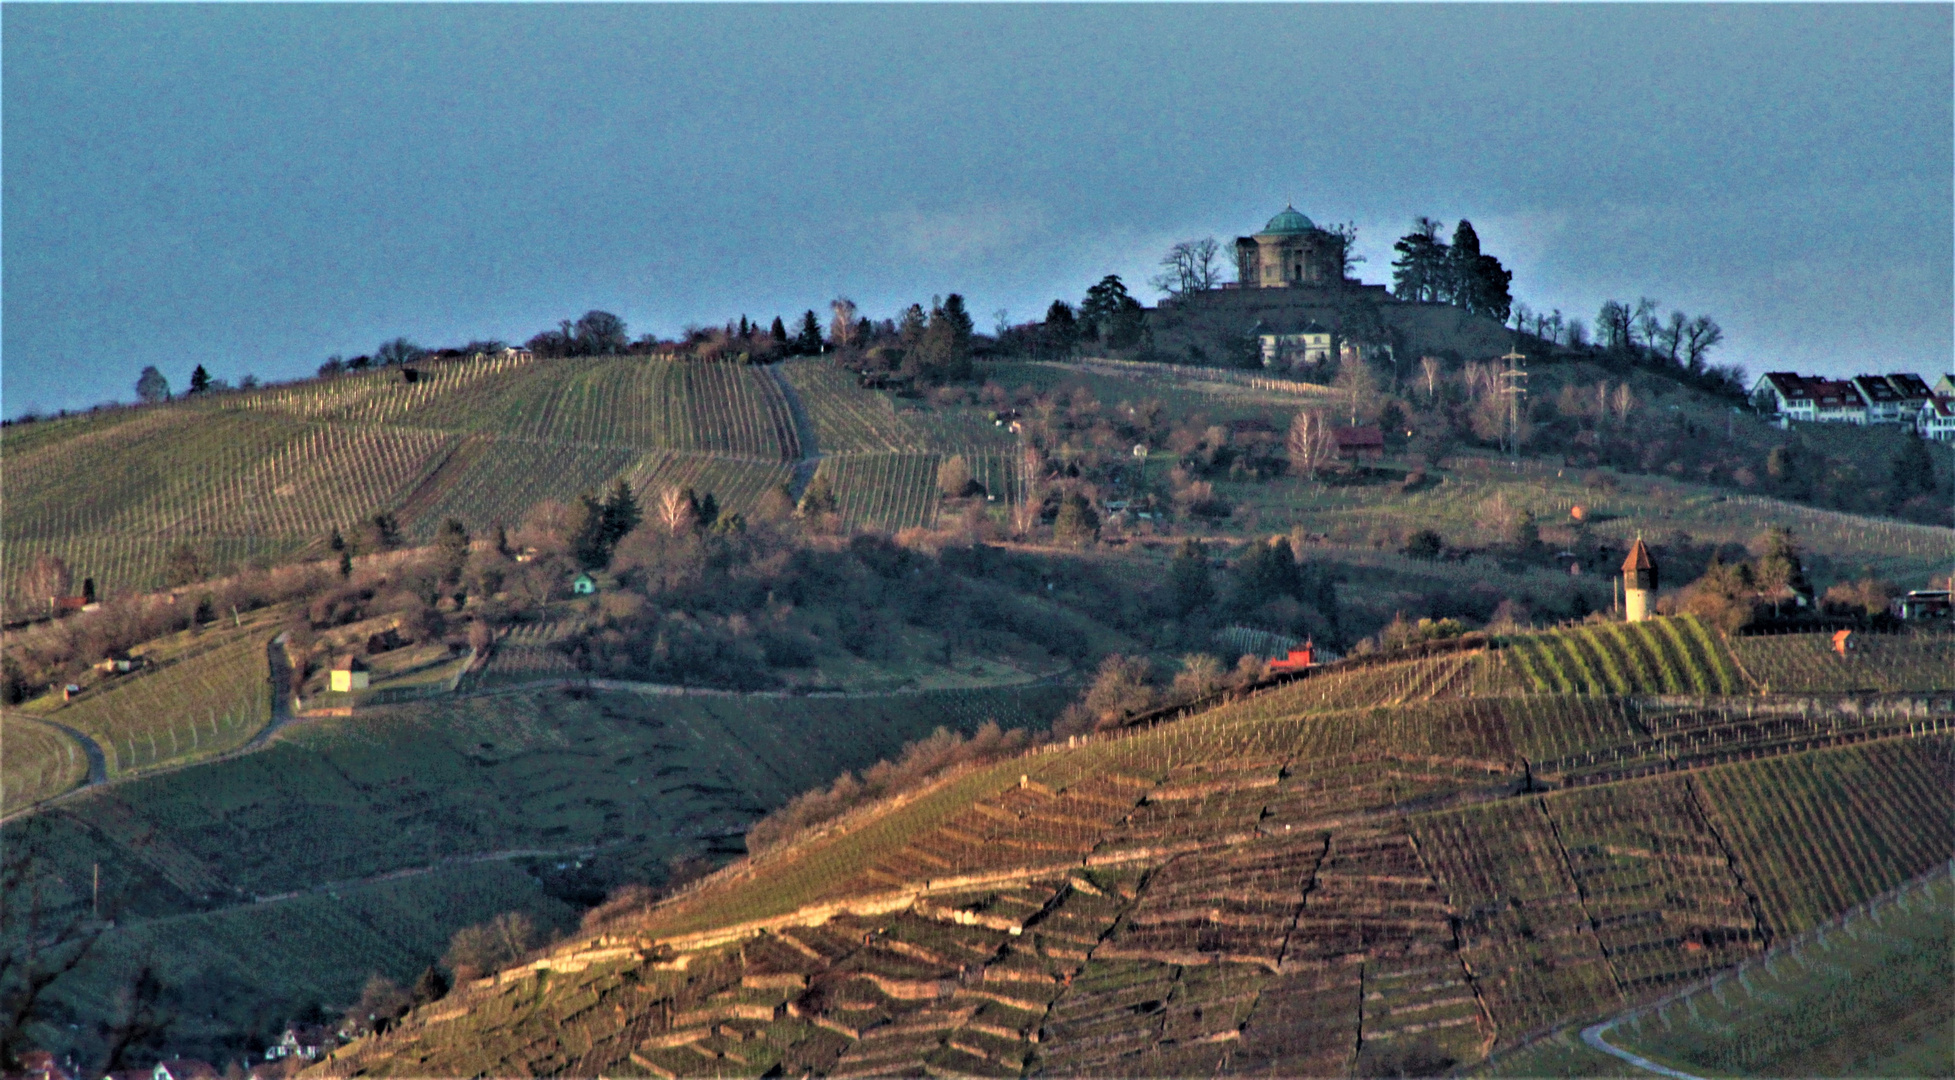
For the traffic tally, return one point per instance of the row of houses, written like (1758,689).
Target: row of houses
(1902,399)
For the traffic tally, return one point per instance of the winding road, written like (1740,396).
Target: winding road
(1592,1035)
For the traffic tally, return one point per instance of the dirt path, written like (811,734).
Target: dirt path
(804,433)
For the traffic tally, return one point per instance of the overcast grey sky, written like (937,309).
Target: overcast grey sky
(256,187)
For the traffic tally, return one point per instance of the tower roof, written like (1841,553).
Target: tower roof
(1639,558)
(1288,223)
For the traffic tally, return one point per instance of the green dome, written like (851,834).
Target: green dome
(1289,223)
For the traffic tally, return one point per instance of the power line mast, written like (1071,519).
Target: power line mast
(1514,386)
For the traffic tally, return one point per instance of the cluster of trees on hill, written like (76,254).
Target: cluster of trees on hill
(1429,269)
(933,346)
(1768,582)
(1108,316)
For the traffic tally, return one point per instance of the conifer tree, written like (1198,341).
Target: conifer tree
(588,541)
(199,380)
(620,515)
(809,342)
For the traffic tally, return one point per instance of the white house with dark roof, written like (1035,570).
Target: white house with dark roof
(1935,420)
(1808,398)
(1895,398)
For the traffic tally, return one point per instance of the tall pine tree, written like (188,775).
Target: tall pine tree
(808,342)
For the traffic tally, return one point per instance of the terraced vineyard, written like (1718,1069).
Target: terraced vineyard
(1278,885)
(205,703)
(38,762)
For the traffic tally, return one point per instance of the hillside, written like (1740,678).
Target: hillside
(1297,882)
(959,555)
(264,887)
(131,497)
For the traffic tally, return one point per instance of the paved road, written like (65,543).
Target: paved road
(281,669)
(1593,1036)
(98,765)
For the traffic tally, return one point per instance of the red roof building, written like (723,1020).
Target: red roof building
(1808,398)
(1362,443)
(1300,658)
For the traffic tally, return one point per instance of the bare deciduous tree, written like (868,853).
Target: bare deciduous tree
(1430,365)
(1357,389)
(954,477)
(1700,335)
(1625,403)
(1670,336)
(1310,444)
(49,577)
(677,509)
(843,322)
(1190,266)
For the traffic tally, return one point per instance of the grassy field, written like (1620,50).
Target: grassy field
(36,762)
(611,785)
(1875,997)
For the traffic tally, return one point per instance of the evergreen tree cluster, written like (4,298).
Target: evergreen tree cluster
(602,524)
(1429,269)
(1109,316)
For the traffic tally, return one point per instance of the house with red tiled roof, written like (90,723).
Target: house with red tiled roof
(1364,442)
(1894,398)
(1808,398)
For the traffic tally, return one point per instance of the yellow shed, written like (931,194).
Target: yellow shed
(350,673)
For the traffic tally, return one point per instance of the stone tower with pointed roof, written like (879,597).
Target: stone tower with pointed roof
(1638,582)
(1290,251)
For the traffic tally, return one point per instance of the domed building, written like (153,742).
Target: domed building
(1289,251)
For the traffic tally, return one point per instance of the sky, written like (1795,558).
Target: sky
(255,188)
